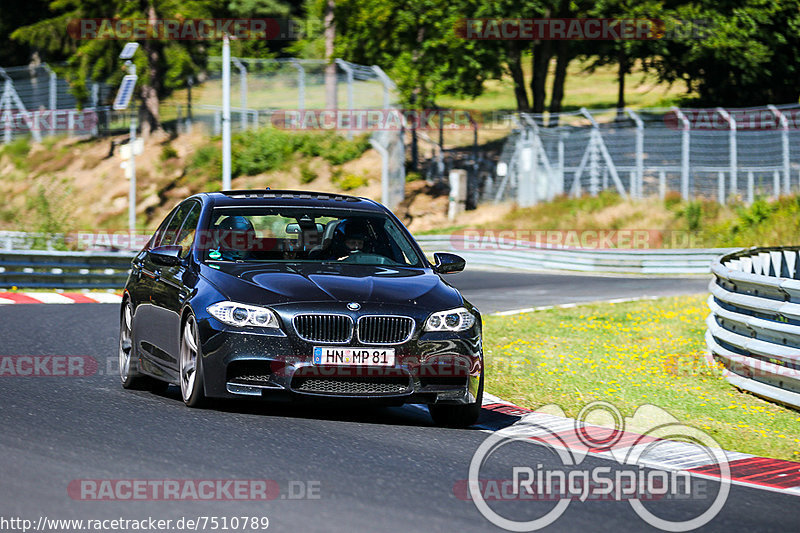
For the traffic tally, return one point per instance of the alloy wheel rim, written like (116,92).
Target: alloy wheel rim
(188,360)
(125,344)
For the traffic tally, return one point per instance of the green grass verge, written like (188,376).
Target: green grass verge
(632,354)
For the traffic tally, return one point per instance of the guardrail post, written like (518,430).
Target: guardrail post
(784,122)
(685,145)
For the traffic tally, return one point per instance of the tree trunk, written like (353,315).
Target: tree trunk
(563,57)
(515,66)
(416,100)
(151,89)
(540,62)
(330,68)
(623,70)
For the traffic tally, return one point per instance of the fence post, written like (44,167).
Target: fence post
(561,159)
(721,188)
(388,85)
(301,85)
(636,190)
(784,146)
(5,108)
(95,103)
(242,92)
(750,187)
(685,145)
(732,157)
(189,83)
(349,72)
(53,98)
(662,184)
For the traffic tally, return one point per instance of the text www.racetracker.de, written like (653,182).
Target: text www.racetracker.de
(196,523)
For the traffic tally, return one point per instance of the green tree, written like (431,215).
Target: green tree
(12,16)
(162,65)
(746,52)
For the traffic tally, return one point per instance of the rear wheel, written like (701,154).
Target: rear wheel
(458,416)
(191,368)
(131,379)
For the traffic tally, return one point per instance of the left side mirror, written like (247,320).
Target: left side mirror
(446,263)
(169,255)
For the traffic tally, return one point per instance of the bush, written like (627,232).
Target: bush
(168,152)
(207,159)
(306,174)
(266,149)
(694,215)
(348,182)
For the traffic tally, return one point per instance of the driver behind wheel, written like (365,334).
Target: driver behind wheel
(348,239)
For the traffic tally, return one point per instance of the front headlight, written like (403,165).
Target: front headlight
(236,314)
(453,320)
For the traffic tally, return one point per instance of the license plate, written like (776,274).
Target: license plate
(330,355)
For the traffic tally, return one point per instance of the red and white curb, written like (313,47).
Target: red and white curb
(59,298)
(763,473)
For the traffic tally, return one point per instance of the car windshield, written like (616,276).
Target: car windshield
(257,234)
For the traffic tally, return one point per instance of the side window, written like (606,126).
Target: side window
(159,234)
(170,235)
(188,230)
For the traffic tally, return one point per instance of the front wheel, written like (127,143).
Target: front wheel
(458,416)
(191,367)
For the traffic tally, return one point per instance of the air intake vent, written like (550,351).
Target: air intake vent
(384,329)
(352,386)
(324,328)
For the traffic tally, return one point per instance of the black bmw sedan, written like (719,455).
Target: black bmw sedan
(292,295)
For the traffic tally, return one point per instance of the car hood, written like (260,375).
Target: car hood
(301,282)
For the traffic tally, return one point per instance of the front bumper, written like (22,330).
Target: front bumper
(431,367)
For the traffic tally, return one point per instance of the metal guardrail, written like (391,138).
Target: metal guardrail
(754,325)
(532,256)
(74,270)
(64,270)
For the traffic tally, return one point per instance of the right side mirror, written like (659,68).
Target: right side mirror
(446,263)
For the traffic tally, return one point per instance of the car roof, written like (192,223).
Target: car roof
(290,198)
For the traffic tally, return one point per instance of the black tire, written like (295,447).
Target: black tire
(458,416)
(191,365)
(128,360)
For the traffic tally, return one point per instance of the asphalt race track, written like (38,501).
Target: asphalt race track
(494,291)
(367,469)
